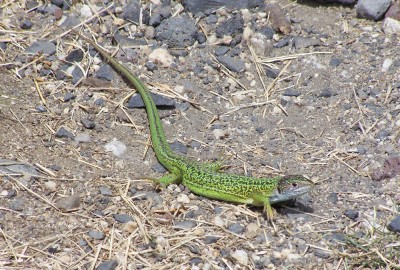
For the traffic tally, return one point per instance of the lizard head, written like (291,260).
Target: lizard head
(291,187)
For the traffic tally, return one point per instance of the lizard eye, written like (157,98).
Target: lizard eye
(294,184)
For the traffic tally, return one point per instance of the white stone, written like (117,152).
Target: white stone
(386,64)
(183,198)
(218,221)
(116,147)
(391,26)
(50,185)
(161,56)
(86,11)
(241,256)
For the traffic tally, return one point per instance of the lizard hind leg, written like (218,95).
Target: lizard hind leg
(168,179)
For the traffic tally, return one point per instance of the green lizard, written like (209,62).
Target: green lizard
(205,179)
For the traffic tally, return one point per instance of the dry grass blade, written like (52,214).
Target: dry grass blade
(255,104)
(257,65)
(288,57)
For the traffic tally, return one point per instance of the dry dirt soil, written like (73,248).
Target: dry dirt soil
(337,123)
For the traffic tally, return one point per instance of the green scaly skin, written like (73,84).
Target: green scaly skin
(205,179)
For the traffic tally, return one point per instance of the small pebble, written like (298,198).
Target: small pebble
(82,137)
(241,256)
(183,198)
(105,191)
(18,204)
(116,147)
(122,218)
(108,265)
(394,225)
(70,203)
(98,235)
(130,226)
(185,225)
(218,221)
(51,186)
(351,213)
(236,228)
(87,123)
(252,230)
(219,133)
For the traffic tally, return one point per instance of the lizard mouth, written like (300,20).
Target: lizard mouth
(288,194)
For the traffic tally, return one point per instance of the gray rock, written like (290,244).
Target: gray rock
(394,225)
(105,72)
(26,24)
(304,42)
(336,237)
(351,213)
(334,62)
(383,134)
(326,93)
(98,235)
(195,144)
(177,146)
(372,9)
(158,168)
(58,3)
(221,50)
(70,203)
(151,66)
(195,261)
(207,6)
(155,20)
(18,204)
(333,197)
(267,31)
(69,96)
(45,47)
(122,218)
(82,242)
(41,108)
(105,191)
(75,56)
(132,11)
(236,65)
(282,43)
(177,32)
(210,239)
(345,2)
(230,27)
(99,102)
(185,225)
(271,72)
(11,193)
(70,21)
(290,92)
(77,74)
(62,132)
(236,228)
(322,254)
(160,101)
(47,9)
(108,265)
(23,169)
(87,123)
